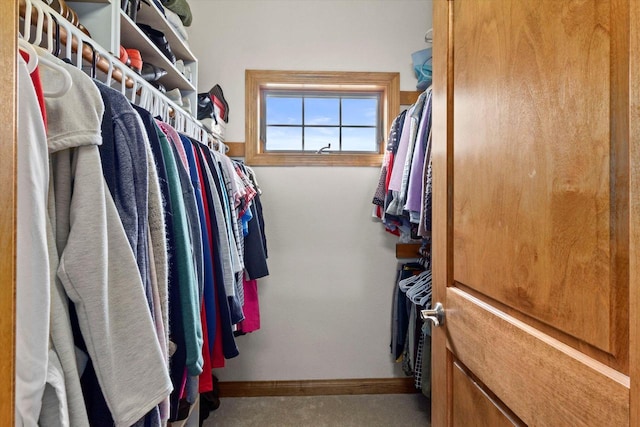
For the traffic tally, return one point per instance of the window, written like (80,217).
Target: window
(318,118)
(313,121)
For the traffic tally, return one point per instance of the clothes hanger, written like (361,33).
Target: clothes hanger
(210,141)
(422,296)
(39,26)
(425,301)
(35,60)
(150,102)
(33,56)
(27,20)
(178,120)
(67,81)
(162,107)
(109,72)
(144,99)
(425,261)
(134,89)
(422,286)
(222,148)
(53,45)
(189,127)
(428,36)
(94,60)
(406,284)
(253,177)
(409,282)
(166,111)
(69,43)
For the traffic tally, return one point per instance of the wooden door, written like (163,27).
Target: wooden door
(536,216)
(8,46)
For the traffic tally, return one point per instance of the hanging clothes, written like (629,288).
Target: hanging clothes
(185,267)
(139,250)
(402,202)
(32,266)
(403,194)
(96,265)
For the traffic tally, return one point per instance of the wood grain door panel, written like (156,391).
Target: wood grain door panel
(532,214)
(528,370)
(472,400)
(532,202)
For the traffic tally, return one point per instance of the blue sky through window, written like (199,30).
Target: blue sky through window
(322,111)
(284,138)
(324,118)
(359,111)
(316,138)
(358,139)
(284,111)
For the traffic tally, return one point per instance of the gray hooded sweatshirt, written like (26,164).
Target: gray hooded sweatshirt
(95,264)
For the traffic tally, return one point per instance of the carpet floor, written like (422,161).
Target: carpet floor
(371,410)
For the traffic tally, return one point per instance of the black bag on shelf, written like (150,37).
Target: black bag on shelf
(206,102)
(218,98)
(205,107)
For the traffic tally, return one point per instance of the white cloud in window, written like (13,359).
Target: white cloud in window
(284,138)
(322,120)
(370,112)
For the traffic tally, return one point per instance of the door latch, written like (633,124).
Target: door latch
(435,315)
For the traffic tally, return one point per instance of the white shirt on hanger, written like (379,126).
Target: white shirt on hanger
(32,264)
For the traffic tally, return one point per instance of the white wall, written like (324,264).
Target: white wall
(326,305)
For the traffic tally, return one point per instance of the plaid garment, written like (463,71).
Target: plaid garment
(387,164)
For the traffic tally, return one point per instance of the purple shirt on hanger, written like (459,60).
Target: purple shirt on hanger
(414,193)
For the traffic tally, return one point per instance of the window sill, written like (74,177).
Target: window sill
(314,159)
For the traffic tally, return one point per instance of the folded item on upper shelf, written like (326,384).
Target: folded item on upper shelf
(131,7)
(151,72)
(186,105)
(181,8)
(135,60)
(157,38)
(179,65)
(214,127)
(175,95)
(177,24)
(124,56)
(159,86)
(183,69)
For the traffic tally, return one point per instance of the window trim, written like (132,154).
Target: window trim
(388,84)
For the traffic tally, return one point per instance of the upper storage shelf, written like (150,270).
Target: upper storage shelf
(111,28)
(132,37)
(149,14)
